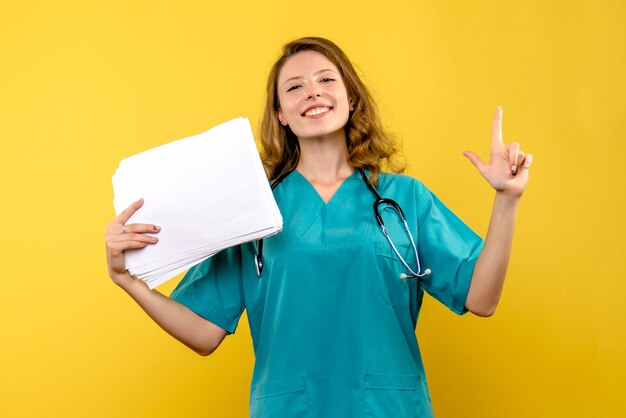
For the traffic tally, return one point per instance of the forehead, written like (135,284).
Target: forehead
(305,63)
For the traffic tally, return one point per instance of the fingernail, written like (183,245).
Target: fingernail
(514,169)
(156,228)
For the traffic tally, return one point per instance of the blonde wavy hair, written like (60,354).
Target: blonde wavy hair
(369,146)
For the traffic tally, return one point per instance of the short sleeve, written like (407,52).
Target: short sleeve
(448,247)
(213,289)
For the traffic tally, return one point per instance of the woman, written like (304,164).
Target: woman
(333,309)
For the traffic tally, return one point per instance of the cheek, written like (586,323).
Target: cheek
(288,109)
(342,97)
(283,111)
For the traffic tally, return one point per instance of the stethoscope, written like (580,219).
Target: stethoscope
(379,204)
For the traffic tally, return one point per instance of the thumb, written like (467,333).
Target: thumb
(475,159)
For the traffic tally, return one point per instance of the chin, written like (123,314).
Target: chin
(322,131)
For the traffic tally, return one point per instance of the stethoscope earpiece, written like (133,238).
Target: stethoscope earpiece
(425,273)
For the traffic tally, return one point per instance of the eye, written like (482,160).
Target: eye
(294,87)
(327,80)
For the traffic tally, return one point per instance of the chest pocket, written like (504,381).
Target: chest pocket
(394,290)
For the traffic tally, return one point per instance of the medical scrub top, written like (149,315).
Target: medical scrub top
(332,323)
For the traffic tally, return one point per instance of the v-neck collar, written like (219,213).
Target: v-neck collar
(305,212)
(336,196)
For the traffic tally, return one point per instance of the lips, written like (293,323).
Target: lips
(316,110)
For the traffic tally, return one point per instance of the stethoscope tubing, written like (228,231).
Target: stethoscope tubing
(390,203)
(378,201)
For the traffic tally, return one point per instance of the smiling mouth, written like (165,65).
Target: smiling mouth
(316,111)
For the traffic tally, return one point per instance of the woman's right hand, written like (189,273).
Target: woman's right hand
(121,237)
(182,323)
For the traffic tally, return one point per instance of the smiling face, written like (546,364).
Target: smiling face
(313,99)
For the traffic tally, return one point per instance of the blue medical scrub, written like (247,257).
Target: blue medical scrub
(333,325)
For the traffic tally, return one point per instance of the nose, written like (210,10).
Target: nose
(314,92)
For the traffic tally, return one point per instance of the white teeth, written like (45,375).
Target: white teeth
(317,111)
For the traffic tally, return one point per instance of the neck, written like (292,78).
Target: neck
(324,160)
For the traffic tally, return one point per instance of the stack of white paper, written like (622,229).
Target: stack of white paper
(207,192)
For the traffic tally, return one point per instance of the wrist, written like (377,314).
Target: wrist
(507,198)
(125,280)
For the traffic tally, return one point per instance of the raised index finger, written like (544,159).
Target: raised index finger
(125,215)
(496,132)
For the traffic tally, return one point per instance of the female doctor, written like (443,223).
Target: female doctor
(333,300)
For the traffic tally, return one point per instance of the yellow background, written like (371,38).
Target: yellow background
(84,84)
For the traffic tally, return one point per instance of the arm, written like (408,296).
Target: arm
(507,173)
(176,319)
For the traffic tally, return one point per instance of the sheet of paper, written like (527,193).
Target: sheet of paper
(207,192)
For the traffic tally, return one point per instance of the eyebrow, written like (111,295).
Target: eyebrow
(315,73)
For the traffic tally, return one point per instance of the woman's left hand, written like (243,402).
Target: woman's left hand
(507,170)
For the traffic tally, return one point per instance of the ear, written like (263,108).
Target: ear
(351,102)
(281,118)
